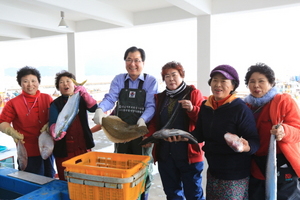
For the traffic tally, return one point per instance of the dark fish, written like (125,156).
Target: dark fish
(46,144)
(22,155)
(165,133)
(119,131)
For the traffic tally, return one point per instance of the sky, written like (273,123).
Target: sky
(238,39)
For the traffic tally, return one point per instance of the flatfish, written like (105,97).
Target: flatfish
(22,155)
(118,131)
(46,144)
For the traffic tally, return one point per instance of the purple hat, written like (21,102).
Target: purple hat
(228,71)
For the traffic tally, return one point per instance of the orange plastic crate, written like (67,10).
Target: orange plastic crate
(106,176)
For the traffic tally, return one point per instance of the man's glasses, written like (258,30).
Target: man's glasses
(135,61)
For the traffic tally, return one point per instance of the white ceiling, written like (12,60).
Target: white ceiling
(25,19)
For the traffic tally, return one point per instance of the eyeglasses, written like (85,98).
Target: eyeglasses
(173,76)
(135,61)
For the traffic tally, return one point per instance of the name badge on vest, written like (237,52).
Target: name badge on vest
(132,94)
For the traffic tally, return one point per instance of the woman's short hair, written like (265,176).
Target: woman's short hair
(24,71)
(262,69)
(61,74)
(172,65)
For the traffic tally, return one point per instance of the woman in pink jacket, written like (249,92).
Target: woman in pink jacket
(276,114)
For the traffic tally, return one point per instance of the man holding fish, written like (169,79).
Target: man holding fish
(24,118)
(74,137)
(134,93)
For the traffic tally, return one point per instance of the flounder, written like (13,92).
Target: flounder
(118,131)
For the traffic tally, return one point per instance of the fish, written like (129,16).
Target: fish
(118,131)
(22,155)
(271,170)
(68,113)
(46,144)
(165,133)
(234,142)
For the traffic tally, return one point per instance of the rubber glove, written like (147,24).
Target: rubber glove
(45,128)
(52,132)
(99,114)
(90,102)
(141,122)
(14,134)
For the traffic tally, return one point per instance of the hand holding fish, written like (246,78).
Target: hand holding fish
(55,136)
(45,128)
(278,131)
(187,104)
(99,114)
(14,134)
(146,145)
(90,102)
(141,122)
(177,138)
(238,144)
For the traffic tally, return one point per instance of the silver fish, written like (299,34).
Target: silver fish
(165,133)
(22,155)
(68,113)
(118,131)
(46,144)
(271,171)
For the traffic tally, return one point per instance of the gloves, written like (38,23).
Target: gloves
(14,134)
(45,128)
(99,114)
(90,102)
(52,132)
(141,122)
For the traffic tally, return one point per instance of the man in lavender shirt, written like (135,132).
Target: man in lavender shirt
(134,93)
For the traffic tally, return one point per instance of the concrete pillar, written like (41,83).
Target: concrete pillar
(77,71)
(203,53)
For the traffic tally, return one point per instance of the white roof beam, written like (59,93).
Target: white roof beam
(8,30)
(161,15)
(95,10)
(195,7)
(31,19)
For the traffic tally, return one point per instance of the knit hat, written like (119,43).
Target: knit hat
(228,71)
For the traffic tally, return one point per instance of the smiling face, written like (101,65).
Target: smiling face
(30,84)
(134,64)
(66,86)
(258,85)
(220,86)
(173,79)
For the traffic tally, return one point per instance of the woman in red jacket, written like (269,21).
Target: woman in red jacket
(276,114)
(25,116)
(180,164)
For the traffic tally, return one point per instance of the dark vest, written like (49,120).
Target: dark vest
(131,103)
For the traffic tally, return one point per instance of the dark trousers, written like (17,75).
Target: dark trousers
(286,190)
(181,180)
(37,165)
